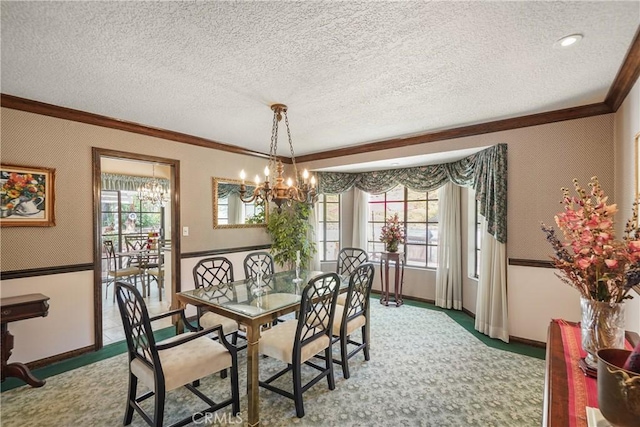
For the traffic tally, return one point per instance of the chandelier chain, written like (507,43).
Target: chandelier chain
(273,149)
(293,157)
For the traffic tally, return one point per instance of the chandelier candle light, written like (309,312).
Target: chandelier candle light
(275,190)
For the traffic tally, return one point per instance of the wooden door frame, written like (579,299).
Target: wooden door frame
(97,155)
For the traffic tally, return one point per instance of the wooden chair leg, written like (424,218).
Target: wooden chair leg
(235,391)
(158,410)
(329,363)
(131,396)
(297,390)
(365,340)
(344,357)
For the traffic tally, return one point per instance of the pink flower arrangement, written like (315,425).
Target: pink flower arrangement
(591,260)
(392,231)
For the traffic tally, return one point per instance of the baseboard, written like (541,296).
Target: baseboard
(59,357)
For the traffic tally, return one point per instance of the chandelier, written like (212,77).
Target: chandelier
(153,192)
(275,190)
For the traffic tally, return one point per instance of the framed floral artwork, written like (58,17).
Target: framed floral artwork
(27,196)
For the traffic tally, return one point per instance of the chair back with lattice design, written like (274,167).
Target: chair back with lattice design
(258,261)
(360,283)
(214,275)
(317,309)
(137,326)
(212,271)
(349,259)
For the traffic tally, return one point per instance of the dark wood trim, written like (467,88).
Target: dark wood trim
(531,263)
(626,77)
(525,341)
(75,268)
(212,252)
(468,313)
(472,130)
(44,271)
(16,103)
(97,154)
(59,357)
(22,104)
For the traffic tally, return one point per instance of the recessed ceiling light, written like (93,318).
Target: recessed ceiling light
(569,40)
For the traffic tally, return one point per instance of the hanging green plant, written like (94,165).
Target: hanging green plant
(290,230)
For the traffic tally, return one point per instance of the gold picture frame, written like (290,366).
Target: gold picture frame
(27,196)
(221,217)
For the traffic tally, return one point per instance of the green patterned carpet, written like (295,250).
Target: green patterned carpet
(425,370)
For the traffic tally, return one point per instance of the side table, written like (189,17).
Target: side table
(13,309)
(387,258)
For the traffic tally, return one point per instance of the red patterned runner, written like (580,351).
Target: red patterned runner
(583,390)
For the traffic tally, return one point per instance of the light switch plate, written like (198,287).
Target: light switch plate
(185,231)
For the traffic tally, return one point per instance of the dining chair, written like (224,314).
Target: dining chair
(260,262)
(257,262)
(353,315)
(295,341)
(155,268)
(348,260)
(214,275)
(114,272)
(140,242)
(179,361)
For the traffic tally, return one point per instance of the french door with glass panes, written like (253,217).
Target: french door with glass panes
(123,214)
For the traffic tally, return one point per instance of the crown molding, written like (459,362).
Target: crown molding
(479,129)
(627,75)
(22,104)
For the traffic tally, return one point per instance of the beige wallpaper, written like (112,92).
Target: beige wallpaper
(541,160)
(33,140)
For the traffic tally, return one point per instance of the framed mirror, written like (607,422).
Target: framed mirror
(231,212)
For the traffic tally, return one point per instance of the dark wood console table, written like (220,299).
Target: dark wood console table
(556,383)
(387,258)
(13,309)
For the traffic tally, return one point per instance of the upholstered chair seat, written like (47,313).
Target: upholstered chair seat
(185,363)
(352,324)
(209,320)
(277,342)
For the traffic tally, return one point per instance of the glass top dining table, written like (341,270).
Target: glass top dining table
(254,304)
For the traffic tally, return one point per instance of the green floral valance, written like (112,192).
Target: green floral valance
(112,181)
(484,171)
(225,189)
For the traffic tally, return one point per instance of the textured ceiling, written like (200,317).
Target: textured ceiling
(350,72)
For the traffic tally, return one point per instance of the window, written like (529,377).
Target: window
(419,212)
(478,240)
(329,226)
(122,213)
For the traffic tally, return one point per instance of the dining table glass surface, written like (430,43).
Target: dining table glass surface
(253,298)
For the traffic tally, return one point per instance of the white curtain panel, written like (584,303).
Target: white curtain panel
(449,272)
(360,216)
(313,237)
(491,304)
